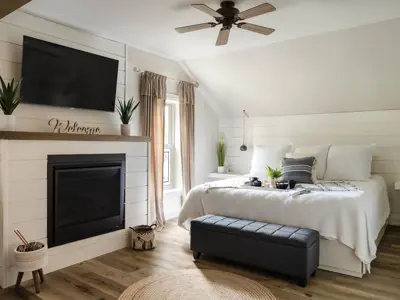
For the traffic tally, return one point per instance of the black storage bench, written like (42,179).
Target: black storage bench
(283,249)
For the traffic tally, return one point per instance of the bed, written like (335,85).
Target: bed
(351,223)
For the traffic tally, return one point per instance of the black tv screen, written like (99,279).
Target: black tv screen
(60,76)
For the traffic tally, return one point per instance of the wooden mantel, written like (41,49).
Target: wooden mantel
(26,135)
(8,6)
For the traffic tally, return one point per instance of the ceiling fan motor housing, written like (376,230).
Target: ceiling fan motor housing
(230,12)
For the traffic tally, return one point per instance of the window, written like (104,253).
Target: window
(169,144)
(167,167)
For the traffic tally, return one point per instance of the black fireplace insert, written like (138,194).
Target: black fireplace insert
(85,196)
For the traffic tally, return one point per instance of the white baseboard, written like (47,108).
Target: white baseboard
(394,219)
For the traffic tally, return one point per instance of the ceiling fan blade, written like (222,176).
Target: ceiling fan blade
(195,27)
(256,11)
(256,28)
(208,10)
(223,37)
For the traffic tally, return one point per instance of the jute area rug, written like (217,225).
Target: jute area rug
(196,284)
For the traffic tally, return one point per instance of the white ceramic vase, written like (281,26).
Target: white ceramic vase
(31,261)
(221,169)
(126,129)
(7,122)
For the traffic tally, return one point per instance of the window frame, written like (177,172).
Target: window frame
(171,103)
(171,126)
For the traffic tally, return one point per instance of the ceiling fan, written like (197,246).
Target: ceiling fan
(227,16)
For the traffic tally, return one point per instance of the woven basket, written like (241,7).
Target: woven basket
(143,237)
(31,261)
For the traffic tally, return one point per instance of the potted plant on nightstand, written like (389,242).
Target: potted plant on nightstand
(125,110)
(273,175)
(9,100)
(221,153)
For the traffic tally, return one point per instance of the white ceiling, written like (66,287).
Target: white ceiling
(149,24)
(343,71)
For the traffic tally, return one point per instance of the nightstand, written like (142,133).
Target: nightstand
(222,176)
(394,218)
(397,185)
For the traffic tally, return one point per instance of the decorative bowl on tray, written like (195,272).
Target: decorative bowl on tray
(282,185)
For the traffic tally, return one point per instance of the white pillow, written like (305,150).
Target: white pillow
(320,152)
(267,155)
(349,163)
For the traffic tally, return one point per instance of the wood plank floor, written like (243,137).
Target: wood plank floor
(107,276)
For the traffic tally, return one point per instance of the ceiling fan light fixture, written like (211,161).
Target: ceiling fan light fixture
(227,16)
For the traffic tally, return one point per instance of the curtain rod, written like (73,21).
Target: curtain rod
(196,84)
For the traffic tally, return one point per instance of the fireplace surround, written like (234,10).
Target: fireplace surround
(24,198)
(85,195)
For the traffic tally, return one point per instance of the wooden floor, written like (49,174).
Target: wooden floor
(106,277)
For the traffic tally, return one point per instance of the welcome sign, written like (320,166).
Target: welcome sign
(71,127)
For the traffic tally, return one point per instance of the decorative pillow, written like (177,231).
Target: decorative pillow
(320,152)
(349,163)
(298,169)
(267,155)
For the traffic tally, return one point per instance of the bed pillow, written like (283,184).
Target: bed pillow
(267,155)
(320,152)
(298,169)
(349,163)
(314,169)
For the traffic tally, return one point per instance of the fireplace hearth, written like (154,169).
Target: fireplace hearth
(85,196)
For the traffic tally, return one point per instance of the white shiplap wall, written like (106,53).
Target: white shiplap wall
(27,205)
(33,117)
(375,127)
(24,199)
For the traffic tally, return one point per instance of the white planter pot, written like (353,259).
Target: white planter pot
(272,183)
(31,261)
(126,129)
(221,169)
(7,122)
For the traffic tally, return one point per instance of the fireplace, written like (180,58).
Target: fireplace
(85,196)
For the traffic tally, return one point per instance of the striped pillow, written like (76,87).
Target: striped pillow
(298,169)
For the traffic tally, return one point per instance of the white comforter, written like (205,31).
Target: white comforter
(354,218)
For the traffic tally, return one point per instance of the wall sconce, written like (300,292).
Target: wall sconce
(245,115)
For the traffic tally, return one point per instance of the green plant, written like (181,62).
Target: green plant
(9,96)
(221,152)
(126,109)
(273,173)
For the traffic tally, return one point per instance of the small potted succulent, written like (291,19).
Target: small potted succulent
(221,153)
(274,175)
(125,111)
(9,100)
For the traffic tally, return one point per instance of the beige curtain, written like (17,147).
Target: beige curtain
(186,112)
(153,92)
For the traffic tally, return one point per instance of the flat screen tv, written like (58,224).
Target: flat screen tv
(60,76)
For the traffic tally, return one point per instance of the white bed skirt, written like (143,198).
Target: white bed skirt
(338,258)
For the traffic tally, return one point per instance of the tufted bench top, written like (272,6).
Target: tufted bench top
(280,234)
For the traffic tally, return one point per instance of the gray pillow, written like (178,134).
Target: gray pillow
(298,169)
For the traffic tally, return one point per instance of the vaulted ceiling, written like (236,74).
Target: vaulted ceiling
(325,55)
(150,24)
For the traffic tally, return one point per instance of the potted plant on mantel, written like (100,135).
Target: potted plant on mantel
(9,100)
(221,153)
(125,110)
